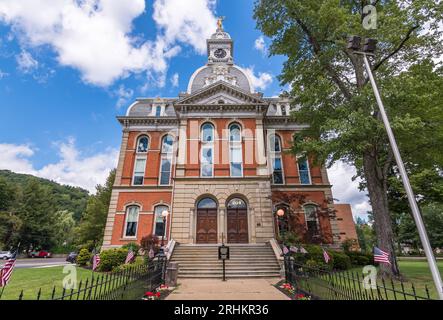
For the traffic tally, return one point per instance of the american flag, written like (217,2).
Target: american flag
(381,256)
(303,250)
(130,257)
(6,271)
(95,261)
(326,256)
(285,250)
(293,249)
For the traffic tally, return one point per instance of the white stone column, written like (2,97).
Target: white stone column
(262,168)
(221,224)
(182,141)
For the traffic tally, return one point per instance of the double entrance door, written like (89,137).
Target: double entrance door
(236,222)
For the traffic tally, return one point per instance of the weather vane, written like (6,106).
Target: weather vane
(220,23)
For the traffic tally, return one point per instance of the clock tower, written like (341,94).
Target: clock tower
(220,46)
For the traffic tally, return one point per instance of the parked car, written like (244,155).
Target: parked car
(5,255)
(72,257)
(39,254)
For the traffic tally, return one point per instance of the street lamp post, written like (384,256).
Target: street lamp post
(280,214)
(165,214)
(369,50)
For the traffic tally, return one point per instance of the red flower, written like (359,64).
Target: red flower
(299,296)
(157,294)
(149,294)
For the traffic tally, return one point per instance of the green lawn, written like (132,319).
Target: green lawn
(31,279)
(414,272)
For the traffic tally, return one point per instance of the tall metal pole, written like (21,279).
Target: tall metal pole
(404,176)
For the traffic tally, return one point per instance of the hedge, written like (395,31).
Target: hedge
(109,259)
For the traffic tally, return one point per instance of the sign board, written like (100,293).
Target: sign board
(223,252)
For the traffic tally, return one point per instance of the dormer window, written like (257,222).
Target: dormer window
(158,111)
(283,110)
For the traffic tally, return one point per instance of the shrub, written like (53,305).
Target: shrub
(112,258)
(149,242)
(120,268)
(132,246)
(360,259)
(84,256)
(340,260)
(290,238)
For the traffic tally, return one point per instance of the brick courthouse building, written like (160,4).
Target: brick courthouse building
(215,158)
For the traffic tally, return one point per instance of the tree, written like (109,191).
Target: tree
(334,96)
(64,226)
(38,216)
(92,224)
(365,235)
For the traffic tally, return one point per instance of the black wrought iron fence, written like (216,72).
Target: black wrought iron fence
(129,284)
(345,285)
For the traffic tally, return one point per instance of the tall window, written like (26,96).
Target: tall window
(276,159)
(166,159)
(139,170)
(131,221)
(159,226)
(303,170)
(158,111)
(142,144)
(207,151)
(311,218)
(235,150)
(283,110)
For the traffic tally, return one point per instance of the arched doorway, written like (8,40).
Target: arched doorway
(206,221)
(237,226)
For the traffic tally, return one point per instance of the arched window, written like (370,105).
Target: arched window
(207,132)
(235,150)
(303,170)
(236,203)
(207,150)
(311,218)
(159,225)
(131,221)
(276,159)
(166,159)
(142,144)
(207,203)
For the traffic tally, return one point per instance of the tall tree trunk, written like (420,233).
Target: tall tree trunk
(377,187)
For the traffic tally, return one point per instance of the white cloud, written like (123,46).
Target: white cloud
(175,80)
(3,74)
(73,168)
(259,82)
(124,95)
(260,44)
(26,63)
(188,21)
(346,191)
(95,36)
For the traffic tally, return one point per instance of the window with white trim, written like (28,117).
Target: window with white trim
(159,225)
(142,144)
(207,150)
(158,111)
(303,170)
(131,221)
(311,219)
(276,159)
(139,170)
(235,151)
(166,160)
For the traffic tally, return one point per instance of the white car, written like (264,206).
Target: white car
(5,255)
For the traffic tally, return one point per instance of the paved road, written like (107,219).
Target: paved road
(38,263)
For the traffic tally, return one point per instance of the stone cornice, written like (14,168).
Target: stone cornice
(147,121)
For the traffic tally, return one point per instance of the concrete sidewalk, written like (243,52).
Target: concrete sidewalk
(234,289)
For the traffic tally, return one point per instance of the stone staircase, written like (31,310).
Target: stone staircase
(248,260)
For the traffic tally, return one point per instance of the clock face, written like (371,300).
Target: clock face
(220,53)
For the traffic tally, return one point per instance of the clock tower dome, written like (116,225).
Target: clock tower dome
(220,46)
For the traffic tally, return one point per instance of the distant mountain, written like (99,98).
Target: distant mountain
(66,197)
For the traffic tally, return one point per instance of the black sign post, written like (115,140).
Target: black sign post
(223,254)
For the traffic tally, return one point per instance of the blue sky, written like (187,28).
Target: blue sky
(67,69)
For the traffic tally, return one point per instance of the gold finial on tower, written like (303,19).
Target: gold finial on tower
(220,23)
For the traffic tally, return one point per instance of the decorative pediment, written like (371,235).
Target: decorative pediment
(221,92)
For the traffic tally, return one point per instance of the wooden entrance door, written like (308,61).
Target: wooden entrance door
(237,216)
(207,226)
